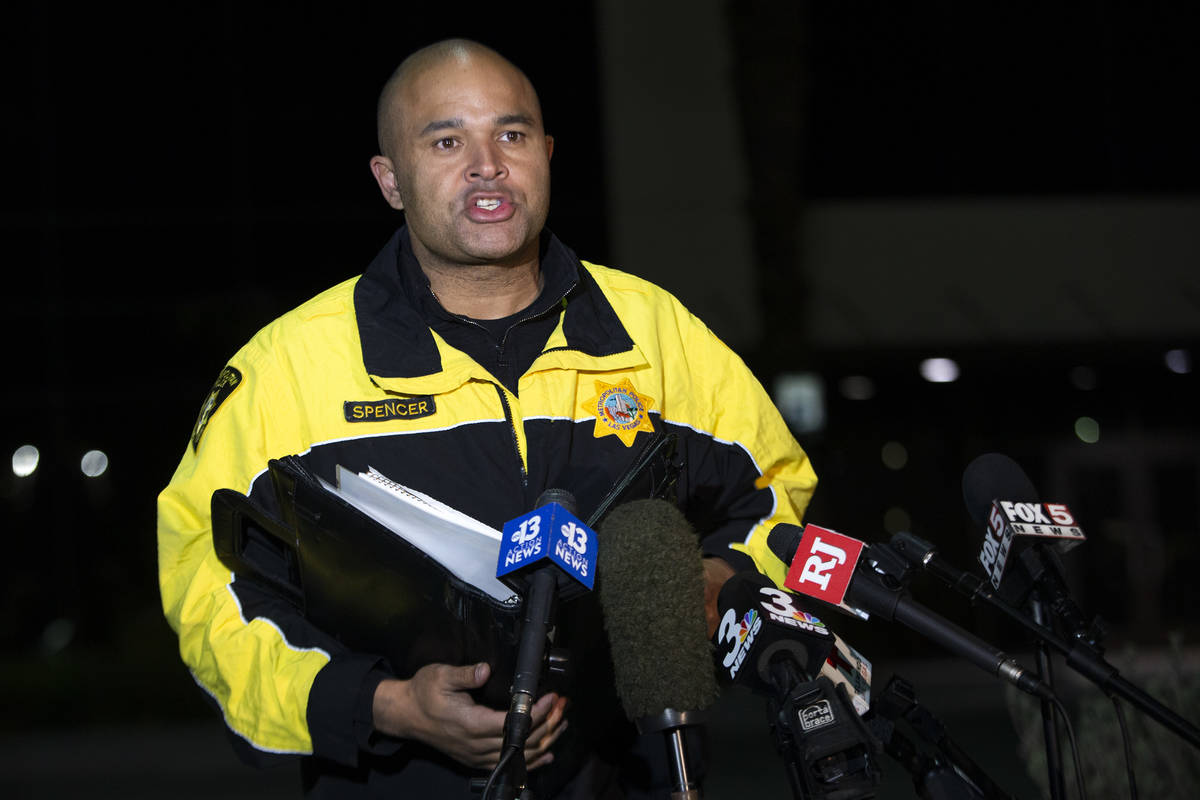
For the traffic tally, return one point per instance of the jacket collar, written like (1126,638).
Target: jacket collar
(394,307)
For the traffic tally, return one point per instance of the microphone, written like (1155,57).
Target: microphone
(544,554)
(1000,498)
(551,534)
(762,625)
(817,686)
(1081,657)
(826,565)
(651,593)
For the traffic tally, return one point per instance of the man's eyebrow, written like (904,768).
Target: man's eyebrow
(515,119)
(442,124)
(456,123)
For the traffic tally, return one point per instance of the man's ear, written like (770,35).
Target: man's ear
(385,175)
(549,146)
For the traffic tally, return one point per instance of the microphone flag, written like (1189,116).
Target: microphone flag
(823,565)
(1007,519)
(549,532)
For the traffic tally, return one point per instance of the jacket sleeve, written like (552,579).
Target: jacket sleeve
(745,471)
(282,686)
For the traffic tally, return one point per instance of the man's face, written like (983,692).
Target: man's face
(472,164)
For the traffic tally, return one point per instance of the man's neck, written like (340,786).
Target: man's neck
(483,291)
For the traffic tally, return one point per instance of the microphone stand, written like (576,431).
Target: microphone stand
(834,759)
(785,676)
(672,723)
(1054,770)
(544,586)
(512,775)
(890,600)
(1080,656)
(948,774)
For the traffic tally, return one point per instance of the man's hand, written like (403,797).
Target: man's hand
(716,572)
(434,706)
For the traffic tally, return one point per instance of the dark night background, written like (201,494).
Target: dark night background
(176,176)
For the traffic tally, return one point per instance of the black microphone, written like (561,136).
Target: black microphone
(761,625)
(825,555)
(817,686)
(546,554)
(1079,655)
(651,592)
(1015,554)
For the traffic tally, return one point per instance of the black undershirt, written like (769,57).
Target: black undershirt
(505,347)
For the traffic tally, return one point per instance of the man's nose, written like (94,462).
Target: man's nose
(487,163)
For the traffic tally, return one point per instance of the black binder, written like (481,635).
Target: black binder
(377,593)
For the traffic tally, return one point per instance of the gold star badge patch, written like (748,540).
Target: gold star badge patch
(619,411)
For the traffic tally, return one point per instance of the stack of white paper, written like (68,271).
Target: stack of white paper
(464,545)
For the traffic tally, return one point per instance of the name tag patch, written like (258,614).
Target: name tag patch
(395,408)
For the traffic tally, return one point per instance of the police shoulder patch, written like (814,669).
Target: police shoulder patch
(229,379)
(412,407)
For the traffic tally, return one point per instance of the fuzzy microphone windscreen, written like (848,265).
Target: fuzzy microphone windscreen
(650,582)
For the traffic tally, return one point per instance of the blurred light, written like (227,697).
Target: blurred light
(57,635)
(1083,378)
(1179,361)
(894,455)
(25,460)
(94,463)
(896,519)
(857,387)
(800,398)
(939,370)
(1087,429)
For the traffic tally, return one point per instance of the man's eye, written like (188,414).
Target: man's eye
(445,144)
(512,136)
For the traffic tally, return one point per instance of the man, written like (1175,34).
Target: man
(530,366)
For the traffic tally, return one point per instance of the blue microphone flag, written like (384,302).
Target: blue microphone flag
(550,532)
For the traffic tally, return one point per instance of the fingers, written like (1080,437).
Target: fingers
(480,753)
(469,676)
(457,707)
(539,755)
(547,731)
(549,719)
(546,714)
(471,719)
(444,715)
(437,708)
(542,707)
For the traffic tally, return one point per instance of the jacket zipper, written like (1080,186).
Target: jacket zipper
(512,428)
(501,355)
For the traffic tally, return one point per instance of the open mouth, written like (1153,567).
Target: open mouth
(488,204)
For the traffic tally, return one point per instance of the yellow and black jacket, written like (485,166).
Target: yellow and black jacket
(360,376)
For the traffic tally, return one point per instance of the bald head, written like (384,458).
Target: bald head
(465,156)
(390,108)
